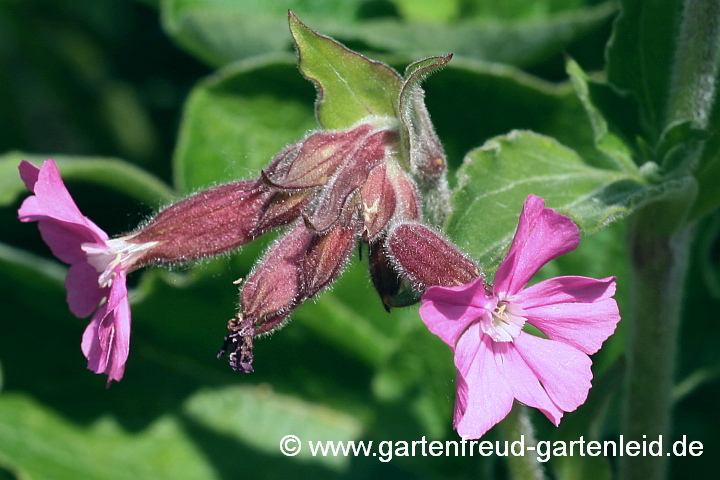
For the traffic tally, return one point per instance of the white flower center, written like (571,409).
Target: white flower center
(504,323)
(117,251)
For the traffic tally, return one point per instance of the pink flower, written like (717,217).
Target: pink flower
(496,361)
(98,266)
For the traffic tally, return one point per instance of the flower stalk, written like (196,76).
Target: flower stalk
(658,267)
(517,426)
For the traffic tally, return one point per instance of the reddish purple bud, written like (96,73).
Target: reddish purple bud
(327,257)
(207,223)
(427,259)
(276,285)
(353,175)
(378,202)
(408,206)
(279,210)
(312,162)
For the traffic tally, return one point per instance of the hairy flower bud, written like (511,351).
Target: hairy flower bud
(297,267)
(426,258)
(276,284)
(349,179)
(378,202)
(207,223)
(326,257)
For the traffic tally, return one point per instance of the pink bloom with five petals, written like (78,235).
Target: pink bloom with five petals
(98,266)
(496,361)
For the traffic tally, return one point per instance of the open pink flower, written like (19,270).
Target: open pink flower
(98,266)
(496,361)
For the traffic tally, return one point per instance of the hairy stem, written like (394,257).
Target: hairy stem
(517,426)
(658,266)
(692,89)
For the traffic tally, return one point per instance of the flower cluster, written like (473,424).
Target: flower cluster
(331,189)
(381,182)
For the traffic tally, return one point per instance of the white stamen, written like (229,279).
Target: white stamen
(117,251)
(504,323)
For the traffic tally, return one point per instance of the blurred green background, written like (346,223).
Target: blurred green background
(143,101)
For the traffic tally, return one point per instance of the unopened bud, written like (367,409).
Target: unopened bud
(353,175)
(427,259)
(207,223)
(275,285)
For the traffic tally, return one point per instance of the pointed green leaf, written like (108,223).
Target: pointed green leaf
(350,86)
(106,172)
(496,179)
(605,141)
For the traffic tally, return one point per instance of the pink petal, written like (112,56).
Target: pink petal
(578,311)
(53,201)
(563,370)
(29,174)
(65,239)
(525,385)
(489,397)
(106,341)
(461,398)
(83,291)
(566,290)
(447,311)
(542,234)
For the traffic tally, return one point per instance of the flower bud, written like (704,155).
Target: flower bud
(313,161)
(378,202)
(207,223)
(326,257)
(350,178)
(426,258)
(275,284)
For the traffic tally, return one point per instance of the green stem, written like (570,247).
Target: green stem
(658,266)
(692,88)
(514,427)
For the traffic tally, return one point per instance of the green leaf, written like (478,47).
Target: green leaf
(221,31)
(350,86)
(242,411)
(497,178)
(238,119)
(640,56)
(106,172)
(605,141)
(42,444)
